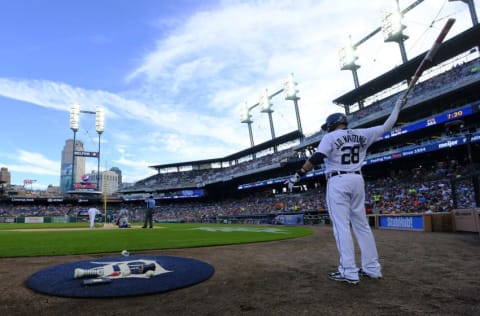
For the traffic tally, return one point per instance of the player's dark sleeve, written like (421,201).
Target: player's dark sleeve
(317,158)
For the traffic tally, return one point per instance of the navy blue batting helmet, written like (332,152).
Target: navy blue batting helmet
(333,120)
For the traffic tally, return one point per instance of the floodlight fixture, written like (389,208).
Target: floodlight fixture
(265,102)
(392,27)
(290,91)
(266,107)
(74,125)
(74,122)
(347,56)
(99,127)
(245,116)
(99,120)
(290,88)
(74,116)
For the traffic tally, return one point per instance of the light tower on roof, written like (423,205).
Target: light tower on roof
(246,117)
(392,29)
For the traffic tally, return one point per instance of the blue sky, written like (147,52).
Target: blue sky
(172,74)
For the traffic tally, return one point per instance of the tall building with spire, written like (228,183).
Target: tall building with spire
(67,165)
(5,180)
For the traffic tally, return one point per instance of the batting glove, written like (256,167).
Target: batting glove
(294,179)
(401,102)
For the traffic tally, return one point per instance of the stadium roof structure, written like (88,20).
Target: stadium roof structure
(203,164)
(451,48)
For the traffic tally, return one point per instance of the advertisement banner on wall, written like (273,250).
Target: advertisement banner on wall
(33,219)
(289,219)
(403,222)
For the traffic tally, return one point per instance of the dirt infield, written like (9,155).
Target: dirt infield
(424,273)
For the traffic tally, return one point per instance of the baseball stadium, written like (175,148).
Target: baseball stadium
(231,237)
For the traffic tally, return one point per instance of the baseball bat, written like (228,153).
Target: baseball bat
(96,281)
(427,60)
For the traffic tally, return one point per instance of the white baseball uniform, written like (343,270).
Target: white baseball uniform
(92,212)
(345,151)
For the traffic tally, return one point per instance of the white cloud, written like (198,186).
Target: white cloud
(33,166)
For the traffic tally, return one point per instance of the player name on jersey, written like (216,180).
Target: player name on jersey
(350,138)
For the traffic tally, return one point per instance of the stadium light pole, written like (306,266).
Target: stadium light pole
(246,117)
(266,107)
(347,57)
(392,29)
(290,91)
(99,127)
(74,120)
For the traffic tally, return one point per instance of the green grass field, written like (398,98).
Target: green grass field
(28,240)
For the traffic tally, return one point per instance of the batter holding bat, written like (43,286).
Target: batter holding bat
(343,151)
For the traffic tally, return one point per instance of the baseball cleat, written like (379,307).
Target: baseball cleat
(362,273)
(336,276)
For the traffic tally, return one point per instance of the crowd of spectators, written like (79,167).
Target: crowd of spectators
(418,190)
(199,178)
(422,189)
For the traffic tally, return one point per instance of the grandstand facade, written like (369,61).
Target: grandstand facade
(427,163)
(439,125)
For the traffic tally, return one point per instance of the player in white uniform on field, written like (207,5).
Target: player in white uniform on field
(343,151)
(92,212)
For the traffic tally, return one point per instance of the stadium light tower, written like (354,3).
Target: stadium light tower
(290,91)
(392,29)
(265,103)
(99,127)
(347,57)
(246,117)
(74,119)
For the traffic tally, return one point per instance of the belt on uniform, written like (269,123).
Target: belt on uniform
(337,173)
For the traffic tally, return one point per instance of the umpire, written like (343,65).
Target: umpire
(149,212)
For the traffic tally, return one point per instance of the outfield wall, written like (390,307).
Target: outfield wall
(47,219)
(461,220)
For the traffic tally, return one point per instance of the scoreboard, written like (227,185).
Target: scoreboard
(451,115)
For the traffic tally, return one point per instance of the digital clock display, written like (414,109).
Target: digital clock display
(437,119)
(454,115)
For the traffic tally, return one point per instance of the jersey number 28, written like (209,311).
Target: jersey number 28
(351,154)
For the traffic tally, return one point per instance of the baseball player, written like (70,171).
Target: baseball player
(150,204)
(122,220)
(92,212)
(343,151)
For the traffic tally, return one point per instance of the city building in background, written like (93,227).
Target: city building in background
(53,190)
(67,164)
(5,180)
(108,181)
(119,174)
